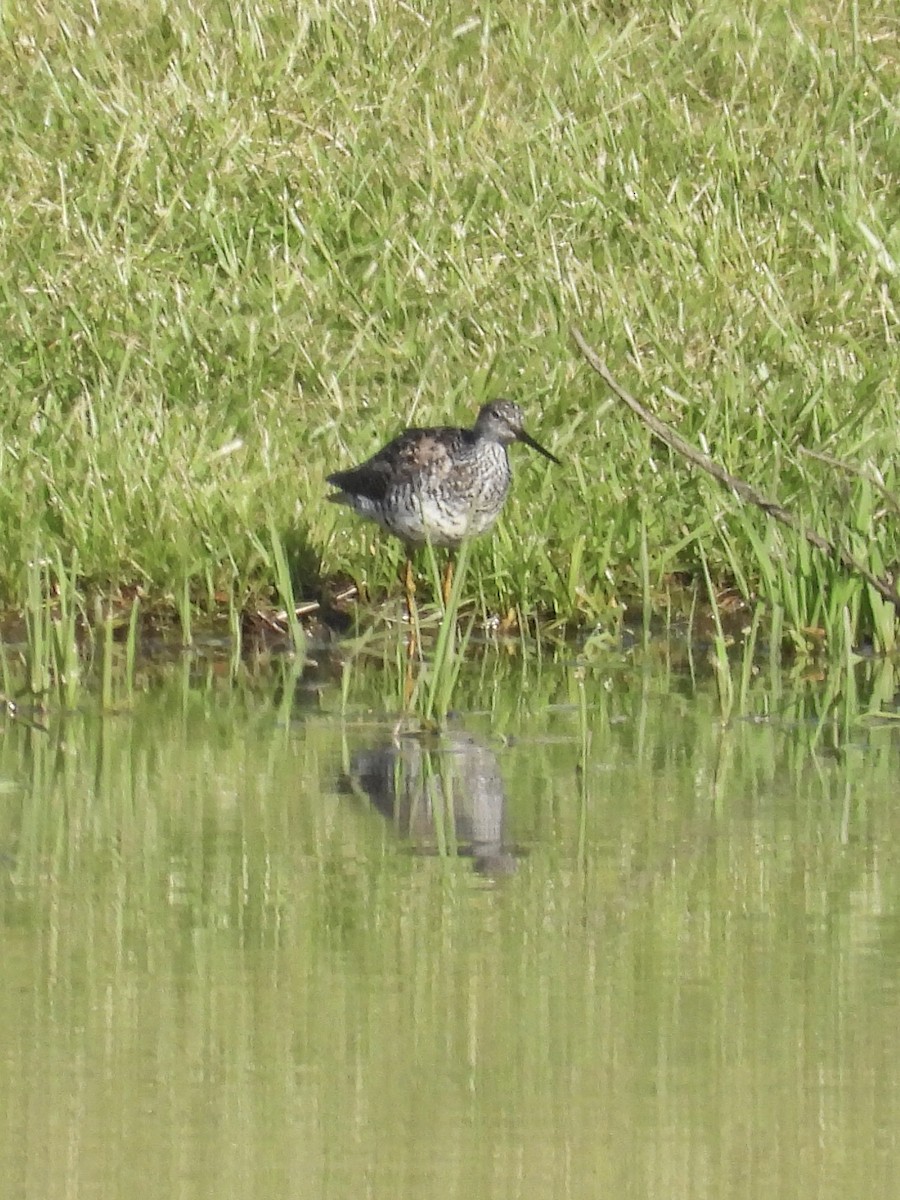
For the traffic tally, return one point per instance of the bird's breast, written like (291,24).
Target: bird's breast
(443,508)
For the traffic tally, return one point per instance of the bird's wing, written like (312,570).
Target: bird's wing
(406,460)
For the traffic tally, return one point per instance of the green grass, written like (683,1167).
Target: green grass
(242,243)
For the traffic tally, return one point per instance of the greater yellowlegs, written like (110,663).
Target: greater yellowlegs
(438,485)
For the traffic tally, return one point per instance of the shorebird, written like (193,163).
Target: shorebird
(438,485)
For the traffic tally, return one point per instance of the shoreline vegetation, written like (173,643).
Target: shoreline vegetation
(245,243)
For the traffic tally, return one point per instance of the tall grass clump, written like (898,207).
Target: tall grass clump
(245,242)
(449,649)
(53,661)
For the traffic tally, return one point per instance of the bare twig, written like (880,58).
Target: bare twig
(741,489)
(851,469)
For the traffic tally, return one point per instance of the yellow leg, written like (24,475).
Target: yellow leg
(409,683)
(447,582)
(409,589)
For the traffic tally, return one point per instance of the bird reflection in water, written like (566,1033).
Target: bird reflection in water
(444,793)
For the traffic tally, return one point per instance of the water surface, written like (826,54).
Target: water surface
(260,940)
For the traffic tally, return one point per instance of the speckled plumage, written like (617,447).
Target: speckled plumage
(438,485)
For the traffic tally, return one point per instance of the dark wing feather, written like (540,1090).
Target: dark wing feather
(404,461)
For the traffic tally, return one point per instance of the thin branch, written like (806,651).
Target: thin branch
(851,469)
(743,490)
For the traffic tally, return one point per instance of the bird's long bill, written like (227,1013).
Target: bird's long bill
(522,436)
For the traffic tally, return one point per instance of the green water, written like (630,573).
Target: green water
(259,942)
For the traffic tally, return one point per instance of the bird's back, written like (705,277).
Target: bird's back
(419,458)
